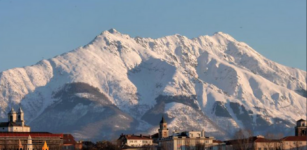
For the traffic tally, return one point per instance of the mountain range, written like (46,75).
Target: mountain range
(121,84)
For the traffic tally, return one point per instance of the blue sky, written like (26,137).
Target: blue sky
(35,30)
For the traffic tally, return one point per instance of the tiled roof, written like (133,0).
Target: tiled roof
(217,141)
(136,137)
(295,138)
(156,135)
(266,140)
(68,139)
(26,134)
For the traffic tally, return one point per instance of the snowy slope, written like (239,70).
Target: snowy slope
(219,83)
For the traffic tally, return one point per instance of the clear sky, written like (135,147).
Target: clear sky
(36,29)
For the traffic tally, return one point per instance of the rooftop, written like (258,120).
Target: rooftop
(295,138)
(32,134)
(137,137)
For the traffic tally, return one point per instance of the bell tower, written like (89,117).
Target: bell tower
(20,117)
(12,116)
(163,131)
(301,128)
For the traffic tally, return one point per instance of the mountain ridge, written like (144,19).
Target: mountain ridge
(133,72)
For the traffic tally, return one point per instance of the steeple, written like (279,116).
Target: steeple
(20,145)
(29,143)
(20,110)
(12,111)
(162,120)
(12,116)
(20,117)
(45,147)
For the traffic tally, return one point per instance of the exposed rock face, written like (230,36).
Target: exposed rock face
(118,84)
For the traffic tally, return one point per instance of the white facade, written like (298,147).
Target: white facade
(186,140)
(138,142)
(16,129)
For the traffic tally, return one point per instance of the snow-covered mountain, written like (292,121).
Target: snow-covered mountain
(119,84)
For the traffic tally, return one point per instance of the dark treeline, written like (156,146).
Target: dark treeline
(100,145)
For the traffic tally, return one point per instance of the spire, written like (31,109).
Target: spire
(163,120)
(45,147)
(29,144)
(20,144)
(20,110)
(29,137)
(12,111)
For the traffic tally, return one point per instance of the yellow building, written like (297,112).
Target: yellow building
(45,147)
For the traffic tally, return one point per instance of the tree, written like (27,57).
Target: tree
(272,140)
(101,145)
(148,147)
(200,146)
(106,145)
(243,140)
(164,145)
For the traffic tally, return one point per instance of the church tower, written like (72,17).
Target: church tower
(20,117)
(301,128)
(12,116)
(163,131)
(29,143)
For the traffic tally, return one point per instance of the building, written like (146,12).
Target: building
(70,143)
(261,143)
(297,142)
(301,128)
(30,140)
(163,130)
(14,134)
(185,140)
(294,143)
(135,141)
(16,122)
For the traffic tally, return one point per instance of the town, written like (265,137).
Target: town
(16,135)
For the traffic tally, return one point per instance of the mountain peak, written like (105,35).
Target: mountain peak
(220,34)
(133,82)
(112,30)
